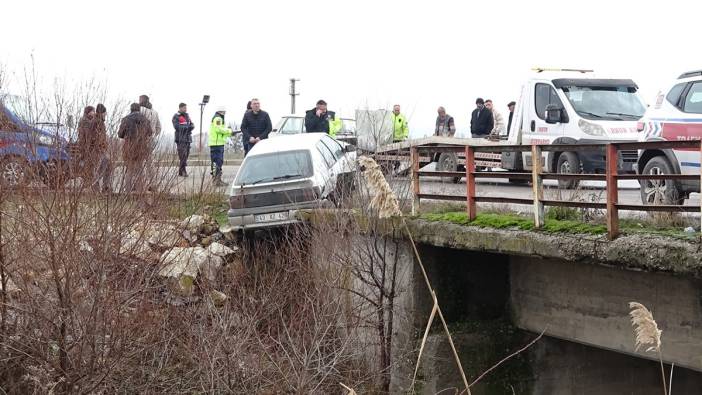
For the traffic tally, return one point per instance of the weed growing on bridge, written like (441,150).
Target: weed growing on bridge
(386,202)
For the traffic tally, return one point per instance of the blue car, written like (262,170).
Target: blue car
(28,153)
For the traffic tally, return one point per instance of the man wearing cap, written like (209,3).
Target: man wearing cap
(481,121)
(218,138)
(319,120)
(511,113)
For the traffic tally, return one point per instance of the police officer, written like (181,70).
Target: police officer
(400,126)
(218,138)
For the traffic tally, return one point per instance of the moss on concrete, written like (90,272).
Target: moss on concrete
(508,221)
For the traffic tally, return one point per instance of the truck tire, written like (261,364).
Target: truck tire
(568,163)
(660,191)
(448,161)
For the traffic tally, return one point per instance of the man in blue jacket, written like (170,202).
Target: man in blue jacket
(255,126)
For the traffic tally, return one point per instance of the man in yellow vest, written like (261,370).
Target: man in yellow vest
(400,126)
(218,138)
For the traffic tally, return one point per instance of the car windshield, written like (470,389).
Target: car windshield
(292,126)
(605,103)
(276,166)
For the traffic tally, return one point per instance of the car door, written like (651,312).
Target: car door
(329,176)
(538,131)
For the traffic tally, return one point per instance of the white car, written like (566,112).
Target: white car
(286,174)
(295,124)
(675,116)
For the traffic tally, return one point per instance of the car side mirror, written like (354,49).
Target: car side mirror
(349,148)
(553,113)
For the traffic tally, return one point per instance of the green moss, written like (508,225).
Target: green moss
(628,226)
(511,221)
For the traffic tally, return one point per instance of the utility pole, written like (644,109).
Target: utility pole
(205,100)
(293,93)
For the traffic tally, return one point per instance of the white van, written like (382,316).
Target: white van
(574,107)
(554,107)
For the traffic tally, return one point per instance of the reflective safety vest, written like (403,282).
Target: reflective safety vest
(218,132)
(335,125)
(400,127)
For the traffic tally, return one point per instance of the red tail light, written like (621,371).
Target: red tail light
(640,126)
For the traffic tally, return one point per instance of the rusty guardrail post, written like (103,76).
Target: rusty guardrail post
(537,185)
(470,183)
(612,192)
(414,160)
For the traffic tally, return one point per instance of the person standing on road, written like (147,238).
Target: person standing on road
(319,120)
(148,111)
(86,156)
(255,126)
(183,137)
(218,138)
(481,121)
(155,122)
(400,126)
(444,124)
(498,120)
(244,143)
(104,165)
(510,106)
(136,131)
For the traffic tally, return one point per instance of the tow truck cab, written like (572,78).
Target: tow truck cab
(574,107)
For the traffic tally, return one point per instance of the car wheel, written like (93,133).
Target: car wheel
(14,172)
(568,163)
(660,191)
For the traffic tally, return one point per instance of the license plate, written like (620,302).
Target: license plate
(271,217)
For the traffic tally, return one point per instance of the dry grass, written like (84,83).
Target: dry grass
(383,199)
(647,334)
(386,203)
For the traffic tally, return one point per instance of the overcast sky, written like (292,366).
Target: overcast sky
(354,54)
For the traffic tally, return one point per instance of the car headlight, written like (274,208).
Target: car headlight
(591,128)
(46,140)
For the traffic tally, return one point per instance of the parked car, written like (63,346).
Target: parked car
(295,124)
(27,150)
(676,115)
(283,175)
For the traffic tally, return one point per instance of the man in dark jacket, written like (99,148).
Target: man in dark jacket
(481,121)
(255,126)
(317,119)
(136,131)
(183,136)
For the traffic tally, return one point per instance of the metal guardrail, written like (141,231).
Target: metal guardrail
(537,175)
